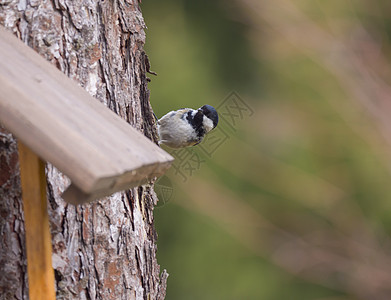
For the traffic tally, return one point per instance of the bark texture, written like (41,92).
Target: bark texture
(103,250)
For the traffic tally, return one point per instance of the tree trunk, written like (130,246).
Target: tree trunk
(104,250)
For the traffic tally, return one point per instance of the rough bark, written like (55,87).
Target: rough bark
(104,250)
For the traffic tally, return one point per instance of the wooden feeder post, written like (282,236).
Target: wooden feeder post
(38,240)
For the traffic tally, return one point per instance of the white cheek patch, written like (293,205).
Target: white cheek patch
(208,124)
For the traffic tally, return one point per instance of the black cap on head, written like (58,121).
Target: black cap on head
(211,113)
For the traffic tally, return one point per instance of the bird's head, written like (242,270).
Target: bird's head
(211,118)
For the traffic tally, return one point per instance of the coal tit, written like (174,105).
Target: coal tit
(186,127)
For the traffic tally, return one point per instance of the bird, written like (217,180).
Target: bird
(186,127)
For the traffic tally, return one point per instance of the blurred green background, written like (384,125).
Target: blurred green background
(289,198)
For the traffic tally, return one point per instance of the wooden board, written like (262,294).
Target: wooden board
(64,125)
(38,239)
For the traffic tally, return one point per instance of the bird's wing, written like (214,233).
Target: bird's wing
(166,118)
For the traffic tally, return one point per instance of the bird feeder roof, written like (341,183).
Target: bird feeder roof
(58,120)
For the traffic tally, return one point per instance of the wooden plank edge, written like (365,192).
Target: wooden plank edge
(74,195)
